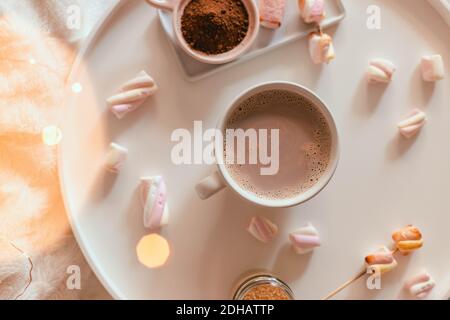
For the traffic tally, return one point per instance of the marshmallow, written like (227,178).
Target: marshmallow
(381,261)
(132,95)
(116,157)
(420,285)
(321,48)
(262,229)
(312,10)
(380,70)
(413,124)
(432,68)
(271,13)
(305,239)
(154,202)
(408,239)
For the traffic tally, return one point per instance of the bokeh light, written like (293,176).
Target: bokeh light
(77,87)
(51,135)
(153,251)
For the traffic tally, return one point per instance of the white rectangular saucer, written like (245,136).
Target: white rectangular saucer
(293,28)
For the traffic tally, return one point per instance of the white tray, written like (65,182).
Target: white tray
(443,8)
(382,181)
(293,28)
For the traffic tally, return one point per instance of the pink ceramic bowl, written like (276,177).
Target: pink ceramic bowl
(177,7)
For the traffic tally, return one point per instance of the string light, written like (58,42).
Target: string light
(77,87)
(51,135)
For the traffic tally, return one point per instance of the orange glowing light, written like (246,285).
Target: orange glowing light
(77,87)
(153,251)
(51,135)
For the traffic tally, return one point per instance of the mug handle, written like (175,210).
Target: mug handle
(161,4)
(210,186)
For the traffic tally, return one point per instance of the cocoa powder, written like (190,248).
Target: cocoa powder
(214,26)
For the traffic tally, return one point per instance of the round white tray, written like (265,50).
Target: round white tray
(383,181)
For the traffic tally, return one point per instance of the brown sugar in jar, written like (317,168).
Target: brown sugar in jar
(265,292)
(262,286)
(214,26)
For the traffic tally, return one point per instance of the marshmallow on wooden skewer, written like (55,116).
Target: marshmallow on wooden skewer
(420,285)
(413,124)
(408,239)
(116,157)
(312,10)
(132,94)
(321,48)
(381,261)
(432,68)
(305,239)
(154,202)
(380,70)
(271,13)
(262,229)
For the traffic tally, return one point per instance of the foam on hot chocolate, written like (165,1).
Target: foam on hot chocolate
(304,143)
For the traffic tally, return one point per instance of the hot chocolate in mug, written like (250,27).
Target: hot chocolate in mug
(308,146)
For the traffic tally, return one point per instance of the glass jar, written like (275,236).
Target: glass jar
(262,286)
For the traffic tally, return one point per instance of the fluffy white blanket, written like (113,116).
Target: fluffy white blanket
(36,50)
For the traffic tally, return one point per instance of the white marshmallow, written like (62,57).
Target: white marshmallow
(116,157)
(413,124)
(321,48)
(381,261)
(271,13)
(432,68)
(380,70)
(132,94)
(262,229)
(154,202)
(305,239)
(312,10)
(420,285)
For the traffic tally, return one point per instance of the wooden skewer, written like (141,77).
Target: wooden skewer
(345,285)
(349,282)
(320,29)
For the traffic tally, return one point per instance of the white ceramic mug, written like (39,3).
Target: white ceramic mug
(177,9)
(221,178)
